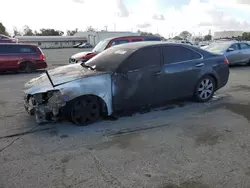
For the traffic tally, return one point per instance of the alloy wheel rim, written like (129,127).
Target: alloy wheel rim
(205,89)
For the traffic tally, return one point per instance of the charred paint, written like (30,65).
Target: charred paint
(72,81)
(130,77)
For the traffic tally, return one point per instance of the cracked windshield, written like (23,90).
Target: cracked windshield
(124,94)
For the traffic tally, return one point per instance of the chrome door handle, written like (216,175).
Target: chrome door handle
(200,65)
(158,73)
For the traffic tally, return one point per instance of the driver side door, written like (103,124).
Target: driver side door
(135,81)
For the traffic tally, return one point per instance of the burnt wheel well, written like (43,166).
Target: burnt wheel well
(104,109)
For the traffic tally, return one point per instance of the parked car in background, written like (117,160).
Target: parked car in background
(76,45)
(85,45)
(107,43)
(21,57)
(6,39)
(236,52)
(125,78)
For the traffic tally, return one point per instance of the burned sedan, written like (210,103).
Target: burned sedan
(126,77)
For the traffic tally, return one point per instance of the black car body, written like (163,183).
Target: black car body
(126,77)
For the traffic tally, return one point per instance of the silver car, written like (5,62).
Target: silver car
(236,52)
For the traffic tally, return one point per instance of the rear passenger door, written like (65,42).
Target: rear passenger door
(245,52)
(182,68)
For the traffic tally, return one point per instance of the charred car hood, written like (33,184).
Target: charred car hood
(82,54)
(58,76)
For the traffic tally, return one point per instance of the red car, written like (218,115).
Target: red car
(6,39)
(107,43)
(21,57)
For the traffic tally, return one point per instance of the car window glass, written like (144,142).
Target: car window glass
(174,54)
(119,42)
(234,46)
(25,50)
(2,49)
(6,49)
(142,58)
(244,46)
(13,49)
(136,40)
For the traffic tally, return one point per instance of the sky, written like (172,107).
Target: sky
(166,17)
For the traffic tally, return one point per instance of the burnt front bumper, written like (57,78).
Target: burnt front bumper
(44,110)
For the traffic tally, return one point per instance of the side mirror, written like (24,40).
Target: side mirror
(230,49)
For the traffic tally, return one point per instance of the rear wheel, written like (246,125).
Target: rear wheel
(27,67)
(84,111)
(205,89)
(248,64)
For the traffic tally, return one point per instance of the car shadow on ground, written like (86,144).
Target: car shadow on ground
(238,66)
(110,126)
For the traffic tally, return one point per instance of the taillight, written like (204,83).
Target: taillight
(226,61)
(42,57)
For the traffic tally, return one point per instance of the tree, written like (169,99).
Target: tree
(16,32)
(177,38)
(198,39)
(146,33)
(246,36)
(90,29)
(3,29)
(142,33)
(208,37)
(72,32)
(27,31)
(185,34)
(50,32)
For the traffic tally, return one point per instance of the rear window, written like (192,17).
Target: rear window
(137,40)
(217,47)
(117,42)
(152,38)
(13,49)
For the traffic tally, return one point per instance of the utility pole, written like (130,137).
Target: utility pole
(106,28)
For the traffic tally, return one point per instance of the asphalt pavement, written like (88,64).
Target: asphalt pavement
(187,145)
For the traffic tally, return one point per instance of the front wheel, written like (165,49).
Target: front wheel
(84,111)
(205,89)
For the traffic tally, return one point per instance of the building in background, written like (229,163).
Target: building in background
(52,41)
(227,34)
(95,37)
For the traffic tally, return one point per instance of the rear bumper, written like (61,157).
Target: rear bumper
(223,74)
(41,64)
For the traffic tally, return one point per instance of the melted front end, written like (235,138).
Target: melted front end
(45,106)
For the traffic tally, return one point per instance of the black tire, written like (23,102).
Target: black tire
(27,67)
(205,89)
(248,64)
(83,111)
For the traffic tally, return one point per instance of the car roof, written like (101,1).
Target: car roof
(132,36)
(17,44)
(138,45)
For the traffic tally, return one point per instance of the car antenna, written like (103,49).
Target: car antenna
(49,79)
